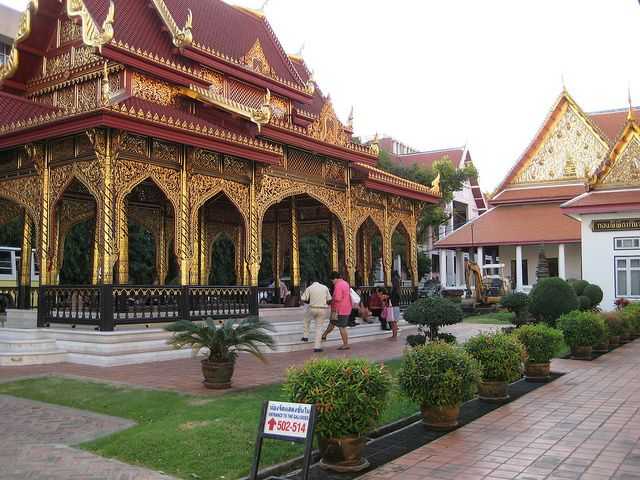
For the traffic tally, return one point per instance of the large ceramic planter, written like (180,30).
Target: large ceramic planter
(492,391)
(217,375)
(440,418)
(614,341)
(537,372)
(343,454)
(581,353)
(602,347)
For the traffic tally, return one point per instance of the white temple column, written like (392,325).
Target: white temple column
(519,283)
(459,259)
(480,256)
(442,256)
(562,272)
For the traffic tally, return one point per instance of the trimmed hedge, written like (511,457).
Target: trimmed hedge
(350,394)
(517,303)
(551,298)
(501,356)
(583,329)
(432,313)
(594,293)
(541,341)
(439,375)
(584,303)
(578,286)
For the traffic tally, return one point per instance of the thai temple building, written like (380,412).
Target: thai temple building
(573,194)
(189,119)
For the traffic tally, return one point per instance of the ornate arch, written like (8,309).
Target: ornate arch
(88,173)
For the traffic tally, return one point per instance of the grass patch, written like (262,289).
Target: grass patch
(183,435)
(496,318)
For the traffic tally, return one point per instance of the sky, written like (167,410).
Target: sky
(436,74)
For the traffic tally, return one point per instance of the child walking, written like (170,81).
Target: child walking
(389,315)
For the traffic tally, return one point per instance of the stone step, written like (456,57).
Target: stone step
(14,359)
(116,359)
(20,345)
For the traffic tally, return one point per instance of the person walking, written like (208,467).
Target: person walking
(393,312)
(340,309)
(376,307)
(318,298)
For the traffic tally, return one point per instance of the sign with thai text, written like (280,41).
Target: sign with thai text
(287,419)
(615,224)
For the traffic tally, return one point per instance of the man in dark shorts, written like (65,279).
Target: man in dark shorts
(340,309)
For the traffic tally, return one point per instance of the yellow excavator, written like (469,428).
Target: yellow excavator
(489,283)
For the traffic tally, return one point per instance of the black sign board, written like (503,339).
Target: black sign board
(615,224)
(292,422)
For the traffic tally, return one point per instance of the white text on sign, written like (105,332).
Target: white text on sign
(287,419)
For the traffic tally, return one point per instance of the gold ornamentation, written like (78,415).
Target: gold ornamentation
(181,37)
(256,60)
(105,87)
(59,63)
(327,128)
(165,152)
(235,166)
(205,160)
(295,246)
(62,150)
(280,107)
(88,95)
(334,171)
(214,78)
(385,177)
(153,90)
(66,98)
(9,211)
(10,67)
(571,150)
(70,31)
(134,144)
(625,169)
(92,36)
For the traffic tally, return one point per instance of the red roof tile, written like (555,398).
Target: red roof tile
(533,194)
(14,109)
(611,122)
(515,225)
(604,201)
(427,159)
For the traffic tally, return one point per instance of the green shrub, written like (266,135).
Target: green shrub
(584,303)
(432,313)
(583,329)
(541,342)
(631,316)
(501,356)
(595,294)
(551,298)
(615,325)
(439,375)
(578,286)
(518,304)
(350,394)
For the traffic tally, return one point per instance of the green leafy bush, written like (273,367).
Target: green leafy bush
(431,313)
(615,325)
(551,298)
(439,375)
(595,294)
(631,316)
(578,286)
(584,303)
(501,356)
(349,394)
(541,342)
(583,329)
(517,303)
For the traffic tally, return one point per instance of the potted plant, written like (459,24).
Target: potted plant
(350,396)
(439,377)
(518,304)
(550,298)
(430,314)
(582,330)
(501,357)
(223,340)
(542,344)
(615,327)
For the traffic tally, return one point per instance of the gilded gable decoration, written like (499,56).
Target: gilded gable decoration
(10,67)
(625,169)
(92,36)
(181,37)
(327,128)
(571,150)
(153,90)
(256,60)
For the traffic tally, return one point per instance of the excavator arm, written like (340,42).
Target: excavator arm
(472,269)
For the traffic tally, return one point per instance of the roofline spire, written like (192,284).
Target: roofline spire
(630,115)
(564,85)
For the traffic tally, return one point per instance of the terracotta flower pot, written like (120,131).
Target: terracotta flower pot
(602,347)
(343,454)
(217,375)
(537,372)
(440,418)
(581,353)
(492,391)
(614,341)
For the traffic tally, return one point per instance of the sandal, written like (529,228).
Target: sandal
(344,347)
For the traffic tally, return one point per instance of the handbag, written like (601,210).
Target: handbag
(355,298)
(387,314)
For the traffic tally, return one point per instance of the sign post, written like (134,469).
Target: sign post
(291,422)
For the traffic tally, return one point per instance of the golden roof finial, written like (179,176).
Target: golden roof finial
(105,89)
(375,146)
(264,4)
(564,85)
(630,115)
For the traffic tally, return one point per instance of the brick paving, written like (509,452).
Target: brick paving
(184,375)
(585,425)
(35,440)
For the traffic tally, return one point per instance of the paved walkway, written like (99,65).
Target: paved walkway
(35,439)
(184,375)
(585,425)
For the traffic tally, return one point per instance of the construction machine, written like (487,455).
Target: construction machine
(488,282)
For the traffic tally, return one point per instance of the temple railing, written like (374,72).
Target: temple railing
(10,296)
(408,295)
(269,295)
(107,306)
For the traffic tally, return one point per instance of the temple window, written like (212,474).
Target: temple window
(627,276)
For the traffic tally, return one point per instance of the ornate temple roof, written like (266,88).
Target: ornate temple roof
(380,180)
(18,109)
(428,158)
(604,201)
